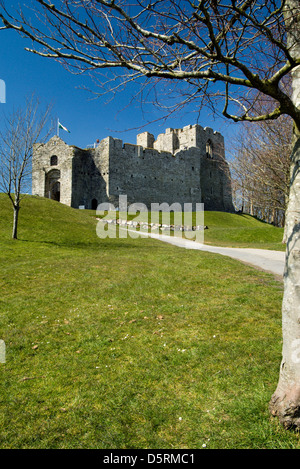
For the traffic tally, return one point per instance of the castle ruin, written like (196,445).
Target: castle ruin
(181,166)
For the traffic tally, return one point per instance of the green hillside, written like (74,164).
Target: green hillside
(131,343)
(228,229)
(44,220)
(241,230)
(55,223)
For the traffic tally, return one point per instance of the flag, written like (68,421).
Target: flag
(60,126)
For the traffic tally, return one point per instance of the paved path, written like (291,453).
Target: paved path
(271,261)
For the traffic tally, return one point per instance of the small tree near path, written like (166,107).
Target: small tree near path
(225,54)
(22,129)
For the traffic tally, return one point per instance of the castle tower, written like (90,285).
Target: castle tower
(145,139)
(52,170)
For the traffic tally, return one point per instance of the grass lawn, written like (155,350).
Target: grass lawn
(232,230)
(132,343)
(224,229)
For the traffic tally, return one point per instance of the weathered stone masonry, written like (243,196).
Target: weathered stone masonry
(183,165)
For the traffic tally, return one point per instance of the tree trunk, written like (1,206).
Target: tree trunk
(15,222)
(285,402)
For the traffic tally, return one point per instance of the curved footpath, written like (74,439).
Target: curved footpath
(271,261)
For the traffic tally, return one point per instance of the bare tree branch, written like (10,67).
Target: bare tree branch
(241,44)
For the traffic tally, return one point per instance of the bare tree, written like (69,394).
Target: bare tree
(22,129)
(260,168)
(218,53)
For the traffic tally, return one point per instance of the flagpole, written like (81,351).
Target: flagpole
(58,127)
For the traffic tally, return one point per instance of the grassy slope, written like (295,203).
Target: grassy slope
(227,229)
(131,343)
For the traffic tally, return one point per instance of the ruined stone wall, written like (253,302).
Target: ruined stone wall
(146,140)
(190,136)
(88,186)
(43,168)
(183,165)
(77,173)
(148,176)
(193,169)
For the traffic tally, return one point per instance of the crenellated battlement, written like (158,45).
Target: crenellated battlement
(181,165)
(174,140)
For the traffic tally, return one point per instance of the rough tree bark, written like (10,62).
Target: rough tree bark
(285,402)
(15,221)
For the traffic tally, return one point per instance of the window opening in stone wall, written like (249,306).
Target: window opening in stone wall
(94,204)
(209,149)
(53,160)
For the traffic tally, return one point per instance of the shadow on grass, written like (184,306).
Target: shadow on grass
(113,244)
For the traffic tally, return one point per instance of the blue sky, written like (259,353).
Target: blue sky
(87,118)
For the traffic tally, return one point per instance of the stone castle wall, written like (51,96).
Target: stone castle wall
(148,176)
(182,165)
(45,174)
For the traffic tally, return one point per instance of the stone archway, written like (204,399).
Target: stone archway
(55,191)
(52,185)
